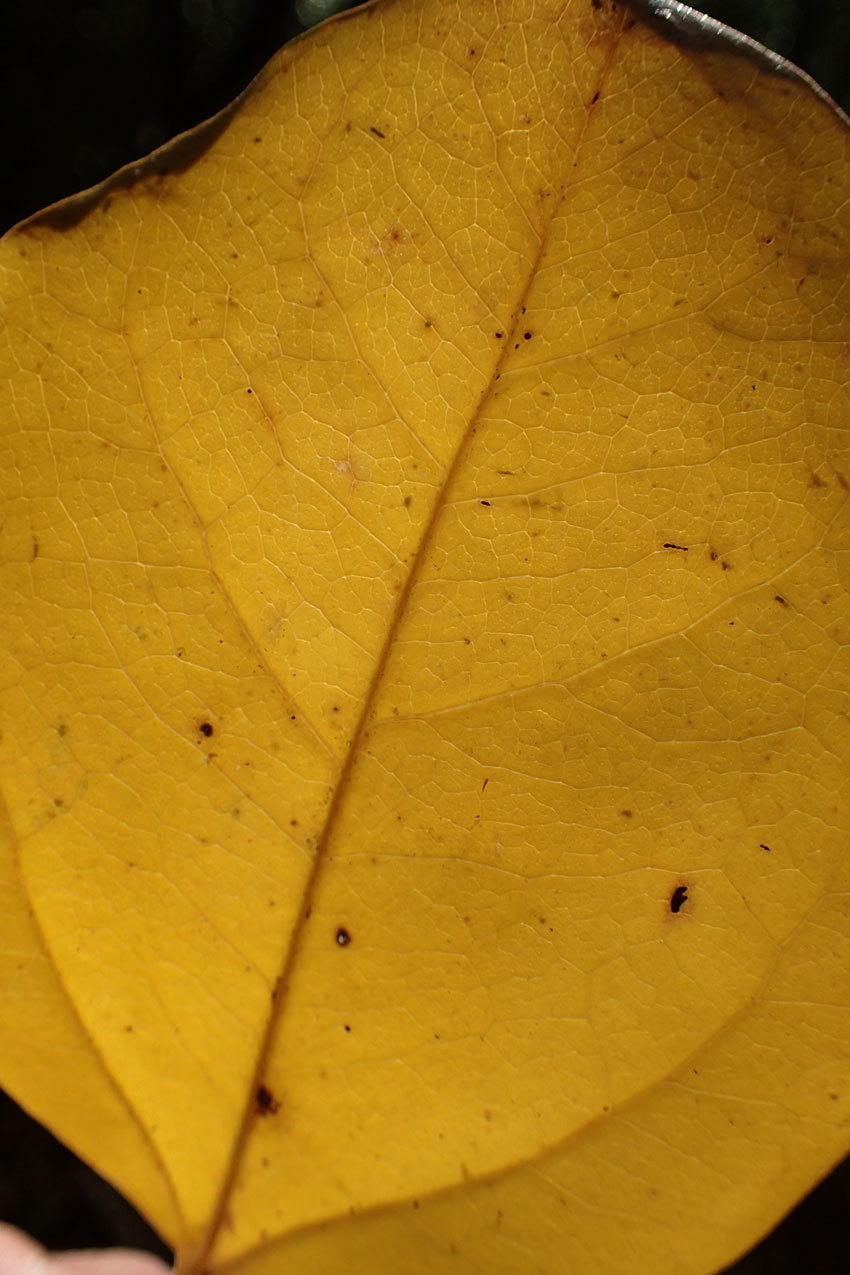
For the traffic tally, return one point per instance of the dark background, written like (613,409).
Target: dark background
(89,85)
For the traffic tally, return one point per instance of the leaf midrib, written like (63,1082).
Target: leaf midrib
(363,723)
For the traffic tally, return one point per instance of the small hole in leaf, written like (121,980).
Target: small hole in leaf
(343,938)
(678,898)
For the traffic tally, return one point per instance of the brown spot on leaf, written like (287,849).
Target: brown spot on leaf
(343,937)
(678,898)
(174,157)
(265,1102)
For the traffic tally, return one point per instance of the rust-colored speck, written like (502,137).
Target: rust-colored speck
(265,1102)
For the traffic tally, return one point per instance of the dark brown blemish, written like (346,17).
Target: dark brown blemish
(499,336)
(34,548)
(667,545)
(526,336)
(777,597)
(376,131)
(408,501)
(206,729)
(174,157)
(265,1102)
(484,785)
(62,729)
(343,937)
(595,98)
(762,846)
(627,814)
(484,502)
(678,898)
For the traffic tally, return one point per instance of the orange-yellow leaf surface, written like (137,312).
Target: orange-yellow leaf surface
(424,711)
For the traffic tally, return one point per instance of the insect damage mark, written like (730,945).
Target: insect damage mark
(343,937)
(678,898)
(714,555)
(206,729)
(668,545)
(265,1103)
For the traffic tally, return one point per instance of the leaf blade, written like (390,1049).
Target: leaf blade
(472,694)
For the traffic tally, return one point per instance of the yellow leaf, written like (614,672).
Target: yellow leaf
(424,720)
